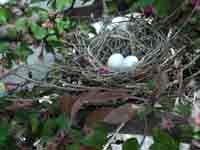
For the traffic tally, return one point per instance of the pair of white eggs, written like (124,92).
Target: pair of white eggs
(118,63)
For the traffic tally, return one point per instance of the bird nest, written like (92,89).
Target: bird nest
(86,58)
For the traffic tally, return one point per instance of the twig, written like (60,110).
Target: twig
(184,24)
(72,87)
(180,79)
(114,136)
(145,130)
(192,76)
(173,56)
(191,63)
(13,71)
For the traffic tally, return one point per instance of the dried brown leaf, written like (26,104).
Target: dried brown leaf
(95,97)
(121,114)
(97,116)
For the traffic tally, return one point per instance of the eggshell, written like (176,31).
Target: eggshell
(115,61)
(129,63)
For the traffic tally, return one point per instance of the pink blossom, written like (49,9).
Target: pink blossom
(149,10)
(195,3)
(104,70)
(167,124)
(197,120)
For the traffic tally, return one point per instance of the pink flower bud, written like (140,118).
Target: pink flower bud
(197,120)
(195,3)
(149,10)
(167,124)
(104,70)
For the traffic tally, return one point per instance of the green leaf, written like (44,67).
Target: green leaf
(74,147)
(12,32)
(62,122)
(87,28)
(36,1)
(97,138)
(144,3)
(163,141)
(4,47)
(163,7)
(34,123)
(76,134)
(52,38)
(4,15)
(184,109)
(49,128)
(4,132)
(112,7)
(131,144)
(41,12)
(62,25)
(51,32)
(54,41)
(196,135)
(43,15)
(62,4)
(151,84)
(22,51)
(38,31)
(21,23)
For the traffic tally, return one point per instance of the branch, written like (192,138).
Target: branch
(67,11)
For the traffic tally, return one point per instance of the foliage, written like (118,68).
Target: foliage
(163,141)
(21,28)
(131,143)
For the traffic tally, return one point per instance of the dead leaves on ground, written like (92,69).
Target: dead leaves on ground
(121,114)
(109,114)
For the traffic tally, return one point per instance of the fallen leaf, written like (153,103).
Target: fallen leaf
(96,116)
(121,114)
(95,97)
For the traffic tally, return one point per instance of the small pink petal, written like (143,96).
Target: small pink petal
(167,124)
(195,3)
(197,120)
(104,70)
(149,10)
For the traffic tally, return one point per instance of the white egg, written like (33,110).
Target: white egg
(129,63)
(115,61)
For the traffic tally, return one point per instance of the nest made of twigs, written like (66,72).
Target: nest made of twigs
(140,38)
